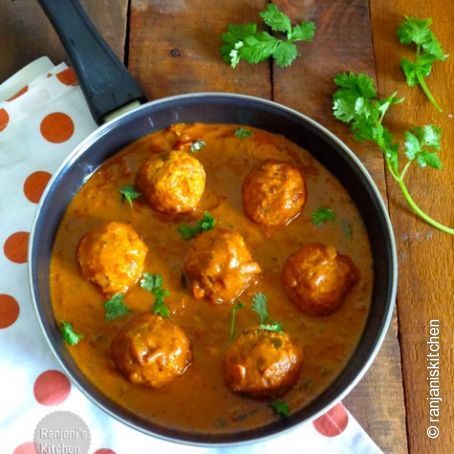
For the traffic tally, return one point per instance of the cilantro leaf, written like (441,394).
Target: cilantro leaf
(414,30)
(129,193)
(243,133)
(259,305)
(355,102)
(276,19)
(322,215)
(68,334)
(280,407)
(285,53)
(197,145)
(206,223)
(235,308)
(303,32)
(428,50)
(115,307)
(258,47)
(360,84)
(245,42)
(153,283)
(422,145)
(275,327)
(233,40)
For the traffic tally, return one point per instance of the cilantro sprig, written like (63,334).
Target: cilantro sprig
(153,283)
(428,51)
(235,308)
(322,215)
(280,407)
(129,193)
(115,307)
(245,42)
(356,103)
(260,307)
(206,223)
(68,333)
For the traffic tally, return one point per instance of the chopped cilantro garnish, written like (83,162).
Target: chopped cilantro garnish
(115,307)
(322,215)
(235,308)
(68,334)
(206,223)
(153,283)
(129,193)
(280,407)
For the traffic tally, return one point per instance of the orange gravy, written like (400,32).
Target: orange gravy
(200,400)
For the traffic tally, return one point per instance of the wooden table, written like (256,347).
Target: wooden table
(172,47)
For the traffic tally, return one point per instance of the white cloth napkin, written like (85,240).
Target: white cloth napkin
(38,128)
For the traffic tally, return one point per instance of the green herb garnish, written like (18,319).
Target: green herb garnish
(206,223)
(275,327)
(245,42)
(322,215)
(280,408)
(197,145)
(259,305)
(115,307)
(153,283)
(235,308)
(68,334)
(428,51)
(243,133)
(356,103)
(129,193)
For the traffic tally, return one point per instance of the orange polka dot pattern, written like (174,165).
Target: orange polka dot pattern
(57,127)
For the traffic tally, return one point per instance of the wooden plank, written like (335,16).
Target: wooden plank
(343,42)
(26,34)
(426,256)
(174,48)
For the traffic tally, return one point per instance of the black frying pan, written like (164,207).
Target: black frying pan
(108,87)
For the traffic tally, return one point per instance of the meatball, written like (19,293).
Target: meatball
(274,193)
(262,363)
(112,256)
(172,183)
(316,278)
(220,266)
(151,350)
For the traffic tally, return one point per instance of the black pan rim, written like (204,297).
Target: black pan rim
(272,429)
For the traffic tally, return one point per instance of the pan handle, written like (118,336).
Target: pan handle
(106,83)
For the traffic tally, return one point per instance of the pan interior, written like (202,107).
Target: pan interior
(218,108)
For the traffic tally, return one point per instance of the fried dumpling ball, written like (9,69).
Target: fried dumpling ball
(262,363)
(111,256)
(151,350)
(172,183)
(220,266)
(274,193)
(317,277)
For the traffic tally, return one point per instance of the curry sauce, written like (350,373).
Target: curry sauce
(200,400)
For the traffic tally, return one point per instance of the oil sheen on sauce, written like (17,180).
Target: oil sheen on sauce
(200,401)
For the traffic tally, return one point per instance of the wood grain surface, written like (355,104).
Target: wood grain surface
(426,256)
(26,34)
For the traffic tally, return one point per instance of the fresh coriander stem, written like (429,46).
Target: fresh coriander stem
(404,171)
(427,92)
(418,210)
